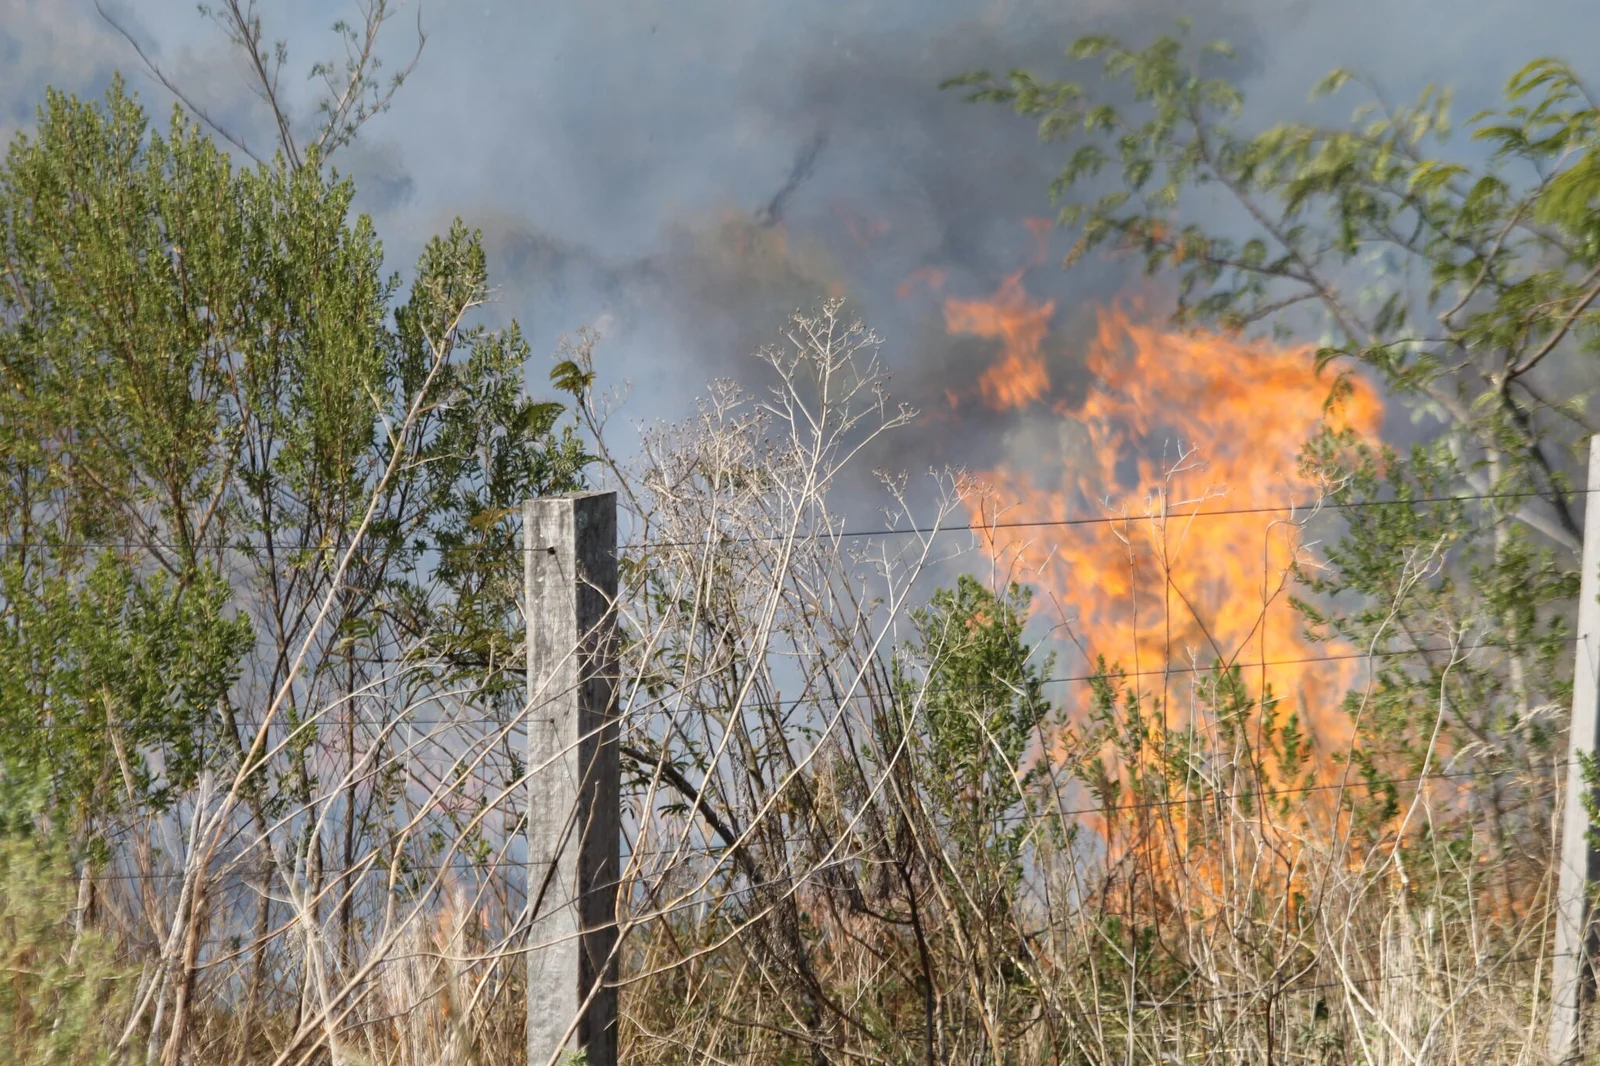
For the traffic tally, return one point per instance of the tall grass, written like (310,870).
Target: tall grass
(861,828)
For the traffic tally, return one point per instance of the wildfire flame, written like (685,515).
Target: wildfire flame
(1020,377)
(1172,426)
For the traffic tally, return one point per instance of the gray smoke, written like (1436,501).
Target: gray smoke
(688,173)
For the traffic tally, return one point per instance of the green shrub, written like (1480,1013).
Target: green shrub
(61,989)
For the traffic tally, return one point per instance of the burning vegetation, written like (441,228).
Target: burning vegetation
(1169,543)
(1246,746)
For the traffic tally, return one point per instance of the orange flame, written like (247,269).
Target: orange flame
(1172,428)
(932,277)
(1020,377)
(1179,424)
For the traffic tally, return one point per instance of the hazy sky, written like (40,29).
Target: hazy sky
(616,151)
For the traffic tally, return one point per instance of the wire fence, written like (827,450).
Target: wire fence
(711,850)
(924,690)
(337,877)
(713,538)
(512,728)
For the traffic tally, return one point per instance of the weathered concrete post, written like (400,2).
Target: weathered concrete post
(573,796)
(1570,974)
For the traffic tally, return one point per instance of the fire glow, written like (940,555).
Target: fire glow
(1173,425)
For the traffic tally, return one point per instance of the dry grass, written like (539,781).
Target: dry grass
(835,854)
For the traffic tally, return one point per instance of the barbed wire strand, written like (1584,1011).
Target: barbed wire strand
(1076,812)
(1105,675)
(844,534)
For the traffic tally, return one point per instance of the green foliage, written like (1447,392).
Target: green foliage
(208,389)
(61,990)
(1419,583)
(980,699)
(1363,231)
(1468,286)
(96,676)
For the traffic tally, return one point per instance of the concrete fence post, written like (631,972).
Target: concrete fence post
(573,796)
(1571,971)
